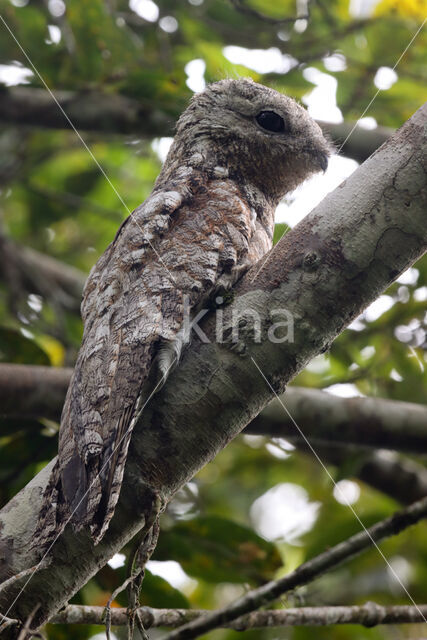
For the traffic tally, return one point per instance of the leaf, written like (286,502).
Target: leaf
(15,347)
(219,550)
(279,230)
(156,591)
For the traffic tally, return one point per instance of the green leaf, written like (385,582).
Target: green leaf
(15,347)
(157,592)
(219,550)
(279,230)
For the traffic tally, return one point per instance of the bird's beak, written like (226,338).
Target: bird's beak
(320,157)
(323,159)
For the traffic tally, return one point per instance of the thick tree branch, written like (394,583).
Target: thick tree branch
(398,477)
(29,271)
(28,391)
(87,110)
(324,273)
(371,422)
(32,391)
(304,573)
(368,615)
(401,478)
(115,113)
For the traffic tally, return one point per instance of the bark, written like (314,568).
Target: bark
(370,422)
(368,615)
(304,573)
(115,113)
(324,272)
(28,391)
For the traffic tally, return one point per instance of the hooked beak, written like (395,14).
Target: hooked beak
(323,159)
(320,157)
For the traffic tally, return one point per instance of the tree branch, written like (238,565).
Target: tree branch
(362,142)
(370,422)
(304,573)
(324,273)
(87,110)
(401,478)
(28,391)
(398,477)
(116,113)
(242,8)
(368,615)
(29,271)
(32,391)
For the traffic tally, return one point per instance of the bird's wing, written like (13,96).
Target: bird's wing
(121,318)
(134,304)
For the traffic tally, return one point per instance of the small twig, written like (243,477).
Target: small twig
(136,571)
(5,622)
(26,631)
(368,615)
(304,573)
(106,611)
(23,574)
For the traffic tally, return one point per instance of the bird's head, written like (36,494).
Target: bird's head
(261,135)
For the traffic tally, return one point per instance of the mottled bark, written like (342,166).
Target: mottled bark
(324,272)
(368,615)
(115,113)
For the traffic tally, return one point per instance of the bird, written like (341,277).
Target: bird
(239,148)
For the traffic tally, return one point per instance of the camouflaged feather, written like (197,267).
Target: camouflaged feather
(209,218)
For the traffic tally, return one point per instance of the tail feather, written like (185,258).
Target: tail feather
(48,528)
(111,474)
(84,486)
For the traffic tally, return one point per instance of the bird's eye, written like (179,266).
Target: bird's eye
(270,121)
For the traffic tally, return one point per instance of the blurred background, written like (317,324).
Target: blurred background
(123,72)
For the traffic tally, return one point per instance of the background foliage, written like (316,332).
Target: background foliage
(55,200)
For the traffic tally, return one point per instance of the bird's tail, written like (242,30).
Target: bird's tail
(48,526)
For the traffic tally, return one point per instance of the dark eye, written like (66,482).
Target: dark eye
(270,121)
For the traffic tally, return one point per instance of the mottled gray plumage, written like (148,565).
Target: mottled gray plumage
(209,218)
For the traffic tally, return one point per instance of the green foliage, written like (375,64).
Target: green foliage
(219,550)
(55,200)
(16,347)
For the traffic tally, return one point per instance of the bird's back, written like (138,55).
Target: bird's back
(134,304)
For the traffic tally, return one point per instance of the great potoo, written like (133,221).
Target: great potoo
(239,148)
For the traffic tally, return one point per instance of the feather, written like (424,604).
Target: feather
(209,217)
